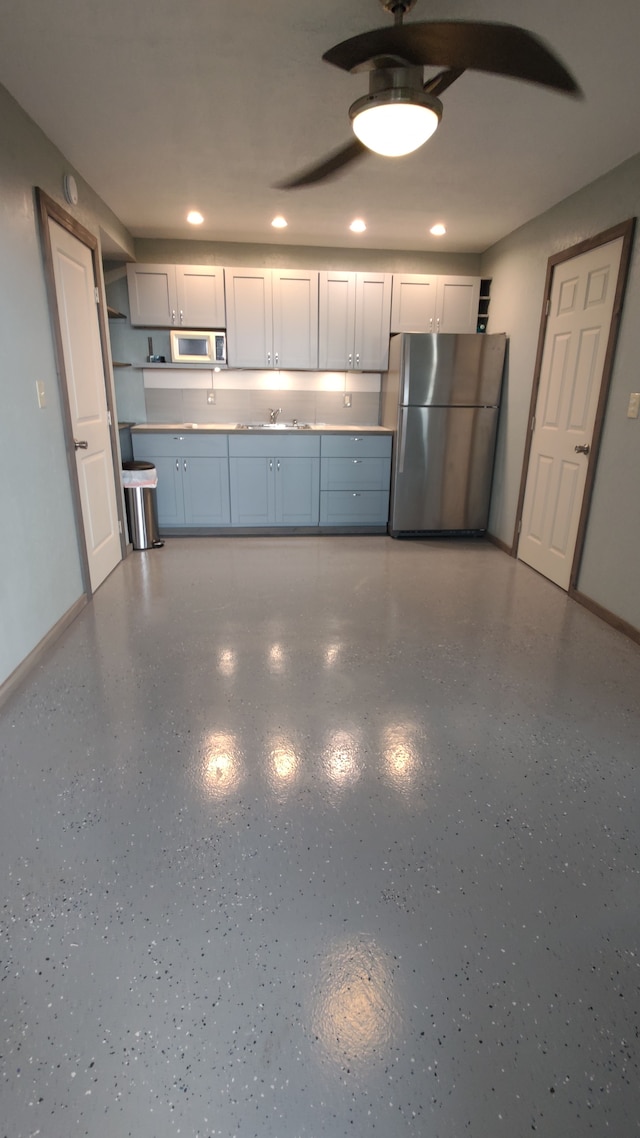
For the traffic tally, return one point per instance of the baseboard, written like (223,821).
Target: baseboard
(609,617)
(500,544)
(12,682)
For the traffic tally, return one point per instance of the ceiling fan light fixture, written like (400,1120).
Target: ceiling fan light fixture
(395,121)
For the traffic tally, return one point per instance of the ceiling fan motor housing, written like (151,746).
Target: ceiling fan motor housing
(396,85)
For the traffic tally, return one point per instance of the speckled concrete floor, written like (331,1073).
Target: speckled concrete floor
(322,836)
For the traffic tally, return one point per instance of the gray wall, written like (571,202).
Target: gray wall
(609,572)
(40,578)
(303,257)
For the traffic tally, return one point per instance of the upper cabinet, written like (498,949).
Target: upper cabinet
(434,304)
(174,296)
(355,310)
(272,318)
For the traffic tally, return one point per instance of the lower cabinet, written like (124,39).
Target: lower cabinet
(274,481)
(193,477)
(354,480)
(208,479)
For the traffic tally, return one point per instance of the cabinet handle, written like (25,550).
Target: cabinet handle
(356,461)
(357,439)
(276,359)
(357,359)
(173,315)
(350,358)
(181,317)
(278,464)
(184,463)
(356,495)
(438,323)
(270,464)
(431,323)
(177,465)
(269,358)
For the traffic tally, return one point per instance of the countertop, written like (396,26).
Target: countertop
(232,428)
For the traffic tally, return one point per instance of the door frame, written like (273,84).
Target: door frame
(625,230)
(48,209)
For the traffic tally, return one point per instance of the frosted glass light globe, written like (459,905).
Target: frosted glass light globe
(396,128)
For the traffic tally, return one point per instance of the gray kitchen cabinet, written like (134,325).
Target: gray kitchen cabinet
(272,318)
(193,476)
(354,321)
(274,481)
(167,296)
(355,471)
(422,303)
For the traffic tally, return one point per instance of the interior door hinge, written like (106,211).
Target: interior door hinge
(119,525)
(109,417)
(96,294)
(520,525)
(533,422)
(547,306)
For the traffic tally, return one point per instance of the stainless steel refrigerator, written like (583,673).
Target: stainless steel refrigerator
(441,396)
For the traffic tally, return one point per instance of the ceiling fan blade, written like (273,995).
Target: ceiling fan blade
(444,79)
(327,168)
(500,49)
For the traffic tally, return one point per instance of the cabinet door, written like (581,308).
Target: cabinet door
(297,491)
(295,318)
(205,483)
(249,318)
(169,498)
(413,303)
(200,292)
(373,318)
(152,295)
(252,482)
(337,309)
(457,304)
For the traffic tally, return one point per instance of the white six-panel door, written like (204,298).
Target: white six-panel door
(84,368)
(581,307)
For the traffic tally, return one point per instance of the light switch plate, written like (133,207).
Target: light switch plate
(42,398)
(634,405)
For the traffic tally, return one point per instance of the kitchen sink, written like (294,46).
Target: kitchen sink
(273,427)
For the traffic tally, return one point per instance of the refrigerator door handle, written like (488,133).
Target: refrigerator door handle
(403,439)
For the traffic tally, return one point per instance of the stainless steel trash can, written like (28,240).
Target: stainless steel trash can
(140,502)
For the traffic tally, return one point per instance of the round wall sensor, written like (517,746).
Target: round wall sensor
(70,189)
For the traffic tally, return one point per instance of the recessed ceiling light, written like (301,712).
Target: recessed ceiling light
(438,230)
(357,226)
(279,222)
(194,217)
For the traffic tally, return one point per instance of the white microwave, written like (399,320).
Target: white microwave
(198,347)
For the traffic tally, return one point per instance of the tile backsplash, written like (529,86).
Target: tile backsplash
(189,405)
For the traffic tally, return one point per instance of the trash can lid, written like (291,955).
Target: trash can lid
(135,464)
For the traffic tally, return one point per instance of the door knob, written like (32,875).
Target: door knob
(80,444)
(582,448)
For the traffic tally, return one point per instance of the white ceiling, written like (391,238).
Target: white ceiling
(165,105)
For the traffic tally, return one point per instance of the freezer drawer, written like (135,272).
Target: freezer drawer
(354,507)
(443,466)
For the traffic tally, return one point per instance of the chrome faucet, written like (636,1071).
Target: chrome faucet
(273,414)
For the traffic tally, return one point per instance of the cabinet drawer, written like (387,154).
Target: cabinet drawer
(147,444)
(356,446)
(354,508)
(277,444)
(355,474)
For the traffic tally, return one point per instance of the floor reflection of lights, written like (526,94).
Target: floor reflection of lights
(340,758)
(354,1010)
(283,766)
(222,768)
(403,761)
(332,654)
(227,662)
(277,658)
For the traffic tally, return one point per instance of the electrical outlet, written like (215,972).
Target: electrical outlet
(42,398)
(211,396)
(347,399)
(633,410)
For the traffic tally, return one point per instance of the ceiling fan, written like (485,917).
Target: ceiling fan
(401,110)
